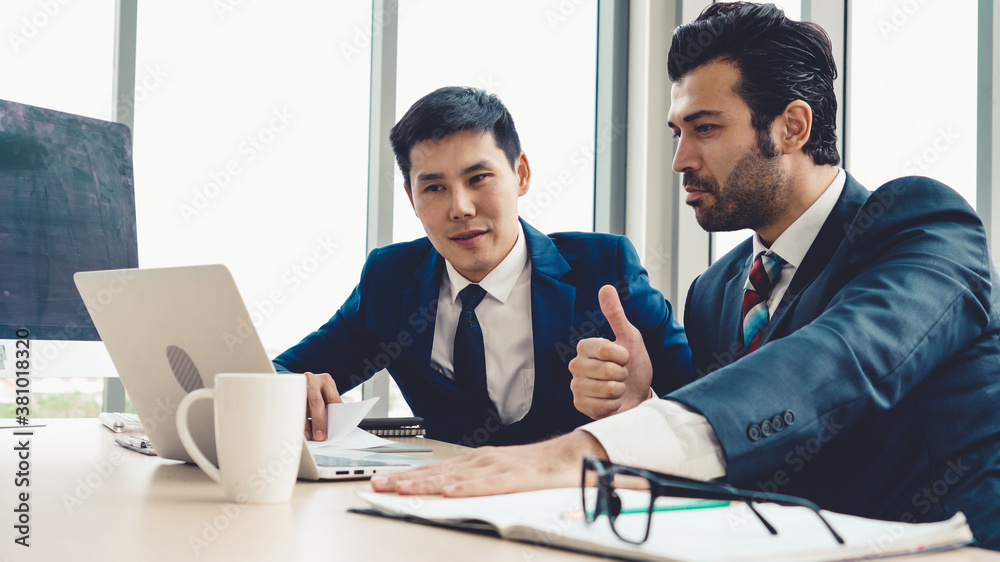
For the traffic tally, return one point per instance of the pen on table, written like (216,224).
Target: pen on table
(702,504)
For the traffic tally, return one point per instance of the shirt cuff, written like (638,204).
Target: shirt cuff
(662,435)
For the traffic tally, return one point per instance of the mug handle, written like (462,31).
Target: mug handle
(185,433)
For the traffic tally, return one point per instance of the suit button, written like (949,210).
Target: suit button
(753,432)
(765,428)
(777,423)
(789,417)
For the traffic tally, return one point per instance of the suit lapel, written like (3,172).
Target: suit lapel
(421,299)
(830,236)
(551,303)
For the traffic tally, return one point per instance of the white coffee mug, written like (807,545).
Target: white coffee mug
(258,434)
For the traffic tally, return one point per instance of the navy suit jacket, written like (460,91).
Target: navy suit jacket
(388,322)
(876,390)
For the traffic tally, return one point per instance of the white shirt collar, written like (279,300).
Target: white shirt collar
(499,282)
(794,242)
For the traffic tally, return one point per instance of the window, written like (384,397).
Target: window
(250,123)
(541,60)
(911,106)
(59,55)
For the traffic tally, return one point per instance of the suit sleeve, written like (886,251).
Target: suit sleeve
(915,291)
(339,346)
(653,315)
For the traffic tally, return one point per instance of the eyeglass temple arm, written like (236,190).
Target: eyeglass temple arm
(698,490)
(761,517)
(782,499)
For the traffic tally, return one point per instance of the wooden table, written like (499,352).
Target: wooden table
(91,500)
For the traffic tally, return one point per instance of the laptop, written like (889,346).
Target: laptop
(170,331)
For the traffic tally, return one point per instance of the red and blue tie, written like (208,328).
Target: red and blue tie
(763,275)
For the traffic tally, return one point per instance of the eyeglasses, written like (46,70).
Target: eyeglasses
(636,530)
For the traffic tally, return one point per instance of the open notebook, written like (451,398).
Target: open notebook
(553,518)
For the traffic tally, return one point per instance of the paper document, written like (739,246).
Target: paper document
(342,419)
(354,439)
(551,518)
(343,432)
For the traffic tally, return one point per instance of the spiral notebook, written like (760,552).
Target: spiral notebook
(394,427)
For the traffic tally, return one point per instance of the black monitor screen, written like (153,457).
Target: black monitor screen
(67,204)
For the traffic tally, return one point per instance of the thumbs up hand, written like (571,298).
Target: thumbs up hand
(611,377)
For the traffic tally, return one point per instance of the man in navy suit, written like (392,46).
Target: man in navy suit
(849,352)
(464,171)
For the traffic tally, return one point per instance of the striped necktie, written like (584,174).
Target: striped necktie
(763,275)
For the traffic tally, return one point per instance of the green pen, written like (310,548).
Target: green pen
(700,504)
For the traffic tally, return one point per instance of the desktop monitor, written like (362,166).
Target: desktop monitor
(67,204)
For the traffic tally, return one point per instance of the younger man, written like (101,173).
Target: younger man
(478,321)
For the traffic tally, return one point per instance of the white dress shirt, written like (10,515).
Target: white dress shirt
(505,318)
(674,438)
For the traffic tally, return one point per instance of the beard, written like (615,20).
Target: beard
(753,196)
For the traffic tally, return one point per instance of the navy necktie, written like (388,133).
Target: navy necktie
(470,354)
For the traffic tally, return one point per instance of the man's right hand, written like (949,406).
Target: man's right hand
(320,391)
(487,471)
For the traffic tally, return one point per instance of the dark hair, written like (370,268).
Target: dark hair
(447,110)
(779,60)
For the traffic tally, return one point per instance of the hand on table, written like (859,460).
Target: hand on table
(611,377)
(487,471)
